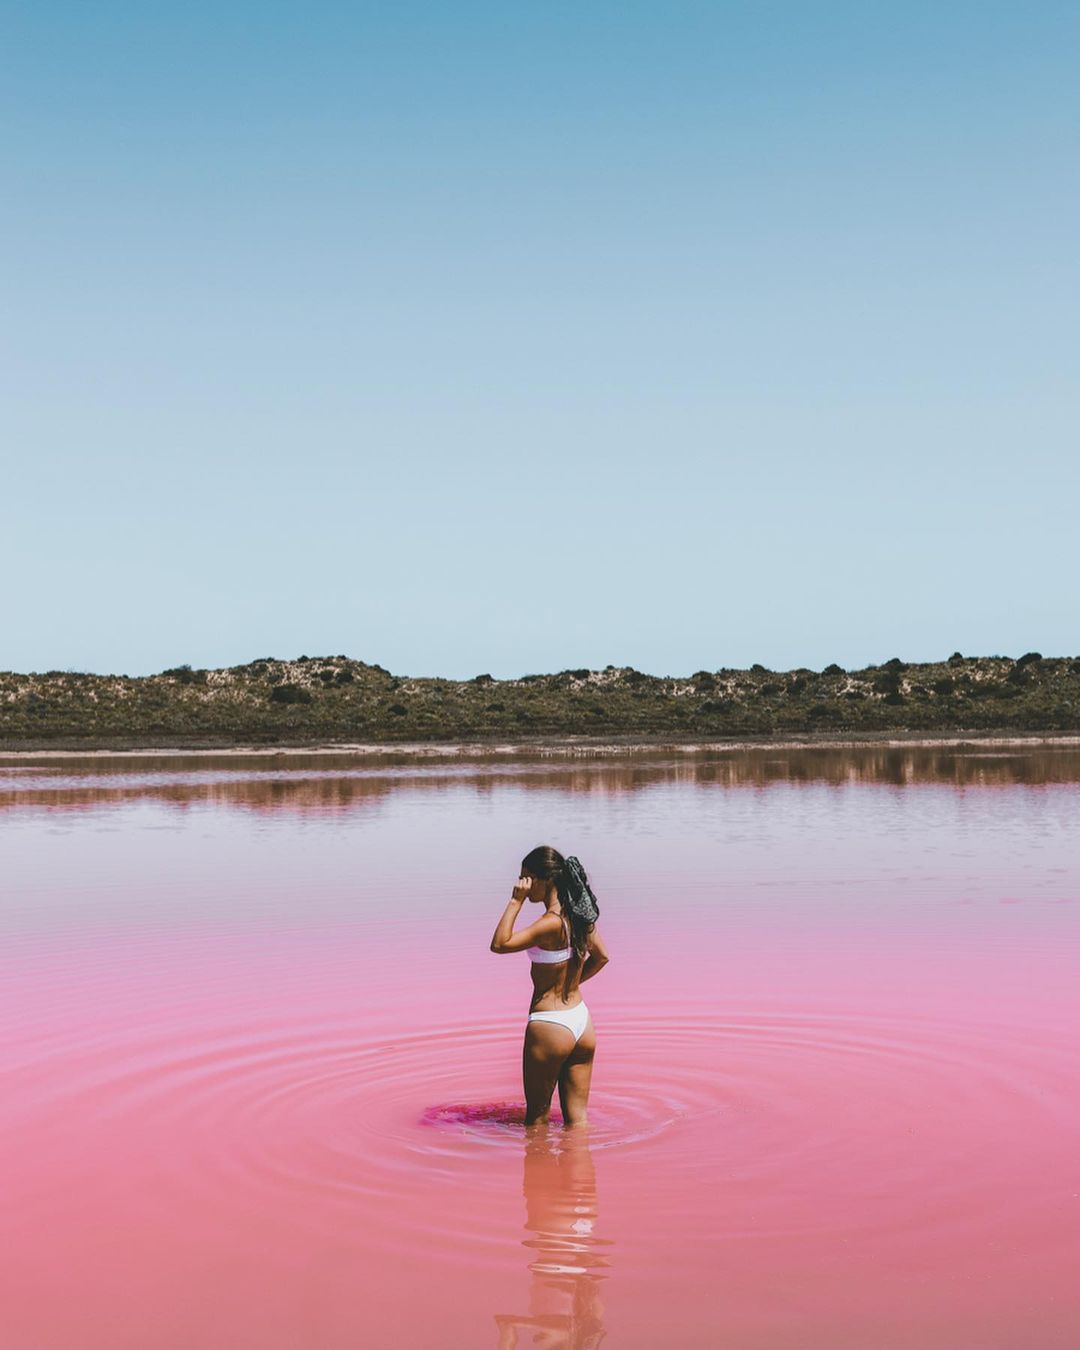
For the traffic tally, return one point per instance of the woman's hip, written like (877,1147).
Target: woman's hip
(575,1019)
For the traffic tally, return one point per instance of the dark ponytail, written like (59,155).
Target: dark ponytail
(579,905)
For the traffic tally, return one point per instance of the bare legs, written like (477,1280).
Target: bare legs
(550,1059)
(575,1079)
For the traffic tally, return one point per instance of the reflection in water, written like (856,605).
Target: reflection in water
(559,1182)
(352,781)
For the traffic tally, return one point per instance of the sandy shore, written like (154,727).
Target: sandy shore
(569,746)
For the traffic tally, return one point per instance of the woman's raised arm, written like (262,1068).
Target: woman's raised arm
(504,939)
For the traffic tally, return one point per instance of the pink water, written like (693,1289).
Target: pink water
(261,1072)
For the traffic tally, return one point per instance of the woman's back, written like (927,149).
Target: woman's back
(556,983)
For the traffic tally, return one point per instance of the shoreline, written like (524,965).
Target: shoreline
(566,746)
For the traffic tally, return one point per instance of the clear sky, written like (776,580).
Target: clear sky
(465,337)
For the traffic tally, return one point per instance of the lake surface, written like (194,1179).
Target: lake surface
(262,1073)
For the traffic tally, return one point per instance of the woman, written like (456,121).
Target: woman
(564,949)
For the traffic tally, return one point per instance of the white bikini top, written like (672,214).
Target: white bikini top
(540,957)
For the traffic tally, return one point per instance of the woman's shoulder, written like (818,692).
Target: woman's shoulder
(554,931)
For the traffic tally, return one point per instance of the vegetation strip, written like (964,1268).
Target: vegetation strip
(321,700)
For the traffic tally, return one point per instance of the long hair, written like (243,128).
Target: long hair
(579,906)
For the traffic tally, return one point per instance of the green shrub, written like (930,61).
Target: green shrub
(185,675)
(290,693)
(986,689)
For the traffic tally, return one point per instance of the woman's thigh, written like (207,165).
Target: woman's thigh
(546,1048)
(575,1077)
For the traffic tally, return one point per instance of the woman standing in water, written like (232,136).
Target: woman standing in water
(564,949)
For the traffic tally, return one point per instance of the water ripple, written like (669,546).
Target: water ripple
(773,1103)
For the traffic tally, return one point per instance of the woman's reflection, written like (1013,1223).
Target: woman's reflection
(565,1312)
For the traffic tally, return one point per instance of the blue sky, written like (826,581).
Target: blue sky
(477,337)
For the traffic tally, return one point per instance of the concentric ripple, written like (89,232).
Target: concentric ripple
(796,1111)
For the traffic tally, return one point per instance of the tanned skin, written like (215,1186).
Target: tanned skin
(550,1058)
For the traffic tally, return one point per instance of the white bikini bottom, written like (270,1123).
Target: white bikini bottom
(574,1019)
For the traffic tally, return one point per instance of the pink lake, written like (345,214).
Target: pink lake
(262,1074)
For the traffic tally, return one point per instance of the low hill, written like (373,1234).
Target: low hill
(334,698)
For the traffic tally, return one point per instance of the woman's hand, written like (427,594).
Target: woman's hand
(521,890)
